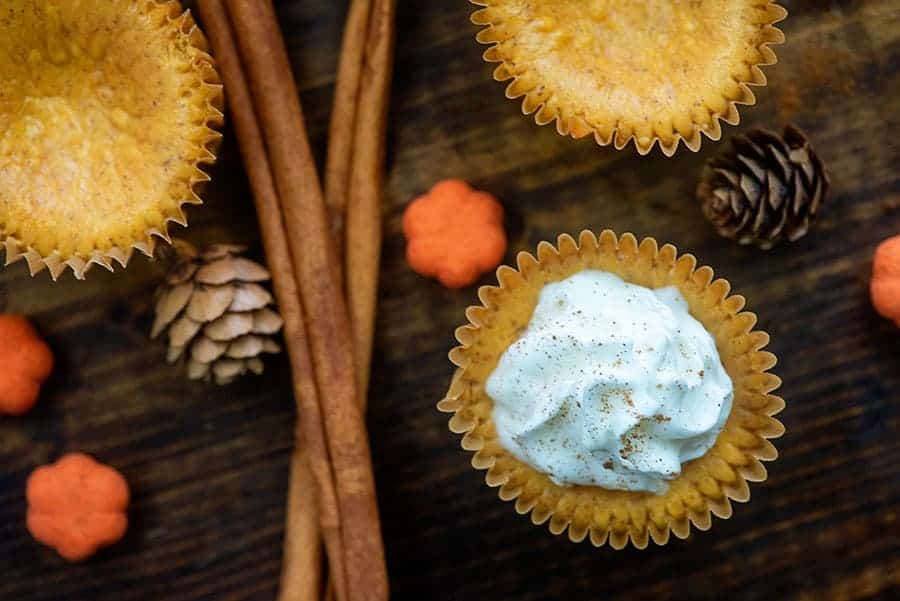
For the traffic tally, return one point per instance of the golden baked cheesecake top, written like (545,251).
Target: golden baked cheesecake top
(651,69)
(107,109)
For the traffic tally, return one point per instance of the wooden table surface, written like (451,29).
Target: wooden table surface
(208,466)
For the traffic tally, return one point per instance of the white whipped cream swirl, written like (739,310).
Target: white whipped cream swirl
(612,385)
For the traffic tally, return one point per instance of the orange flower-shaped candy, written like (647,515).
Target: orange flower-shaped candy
(454,233)
(77,505)
(886,279)
(25,362)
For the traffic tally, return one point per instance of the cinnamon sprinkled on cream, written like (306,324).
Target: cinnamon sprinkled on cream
(611,384)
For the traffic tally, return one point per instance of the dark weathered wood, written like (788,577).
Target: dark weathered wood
(209,466)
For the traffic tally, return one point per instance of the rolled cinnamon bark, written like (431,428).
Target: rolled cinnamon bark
(277,105)
(308,519)
(342,129)
(363,250)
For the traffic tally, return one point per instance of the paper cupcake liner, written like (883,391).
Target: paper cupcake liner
(172,20)
(707,485)
(545,111)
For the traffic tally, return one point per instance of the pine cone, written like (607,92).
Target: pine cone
(765,188)
(216,314)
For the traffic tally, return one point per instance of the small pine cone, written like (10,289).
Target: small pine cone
(764,189)
(216,314)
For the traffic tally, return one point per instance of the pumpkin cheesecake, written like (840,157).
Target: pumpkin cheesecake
(614,390)
(108,111)
(641,70)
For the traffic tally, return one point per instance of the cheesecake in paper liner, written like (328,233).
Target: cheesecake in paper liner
(108,112)
(707,485)
(642,70)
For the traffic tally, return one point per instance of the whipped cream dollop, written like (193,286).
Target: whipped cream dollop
(611,384)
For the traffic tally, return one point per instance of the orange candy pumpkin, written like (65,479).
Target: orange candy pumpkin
(885,286)
(454,233)
(77,506)
(25,362)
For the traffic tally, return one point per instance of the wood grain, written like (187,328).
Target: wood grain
(209,466)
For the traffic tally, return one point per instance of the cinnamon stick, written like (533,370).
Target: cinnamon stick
(363,246)
(342,133)
(278,107)
(308,519)
(343,115)
(301,563)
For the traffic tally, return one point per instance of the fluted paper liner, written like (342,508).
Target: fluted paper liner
(541,99)
(707,485)
(205,94)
